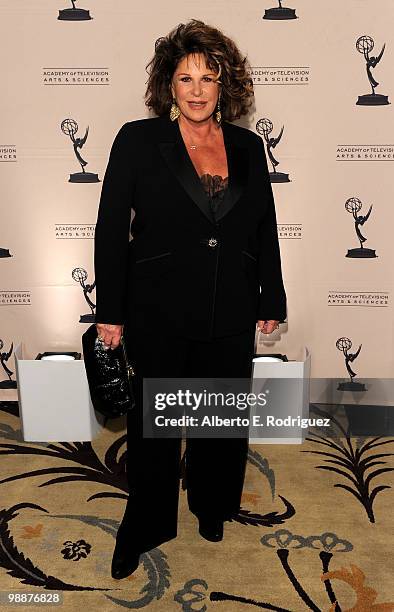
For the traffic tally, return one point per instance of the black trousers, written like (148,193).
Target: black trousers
(215,468)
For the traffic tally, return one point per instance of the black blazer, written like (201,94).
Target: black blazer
(198,277)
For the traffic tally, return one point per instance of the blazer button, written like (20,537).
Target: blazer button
(212,242)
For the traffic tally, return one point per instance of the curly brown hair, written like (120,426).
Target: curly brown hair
(197,37)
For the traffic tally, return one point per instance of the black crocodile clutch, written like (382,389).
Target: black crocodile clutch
(109,374)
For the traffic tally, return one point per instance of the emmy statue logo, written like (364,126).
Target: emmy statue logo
(70,128)
(9,383)
(265,127)
(280,12)
(353,206)
(344,344)
(74,14)
(364,45)
(80,275)
(4,253)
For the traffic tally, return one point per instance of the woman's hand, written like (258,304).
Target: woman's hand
(267,326)
(111,334)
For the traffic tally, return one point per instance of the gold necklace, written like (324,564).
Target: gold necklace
(194,146)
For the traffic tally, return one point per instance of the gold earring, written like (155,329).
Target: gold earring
(174,112)
(218,114)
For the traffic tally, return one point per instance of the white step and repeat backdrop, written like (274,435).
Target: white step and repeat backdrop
(320,76)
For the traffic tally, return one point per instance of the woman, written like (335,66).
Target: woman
(202,267)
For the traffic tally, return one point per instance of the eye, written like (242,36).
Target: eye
(186,78)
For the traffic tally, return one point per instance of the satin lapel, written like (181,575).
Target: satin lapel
(237,161)
(180,163)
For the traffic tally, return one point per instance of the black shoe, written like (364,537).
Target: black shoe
(211,529)
(125,560)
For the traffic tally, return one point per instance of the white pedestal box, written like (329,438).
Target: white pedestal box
(54,400)
(293,395)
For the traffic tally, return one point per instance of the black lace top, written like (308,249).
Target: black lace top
(215,187)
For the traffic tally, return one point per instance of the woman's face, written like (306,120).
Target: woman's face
(194,88)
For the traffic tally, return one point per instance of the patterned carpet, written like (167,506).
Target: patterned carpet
(316,530)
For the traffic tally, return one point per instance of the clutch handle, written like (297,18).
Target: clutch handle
(129,367)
